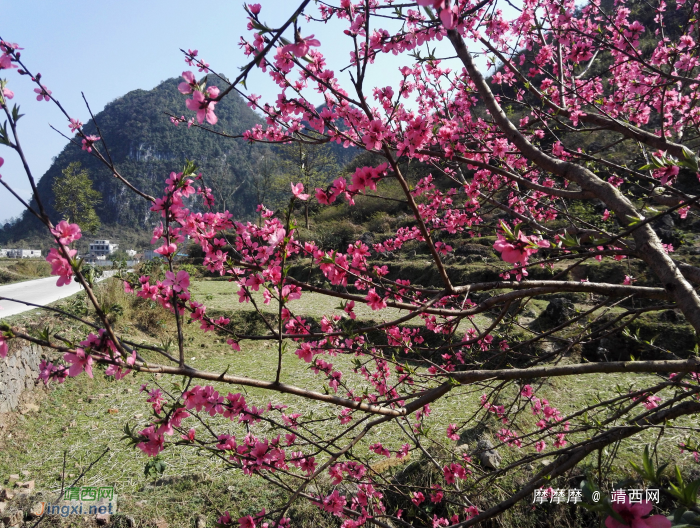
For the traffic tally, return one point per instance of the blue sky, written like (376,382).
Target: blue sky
(108,48)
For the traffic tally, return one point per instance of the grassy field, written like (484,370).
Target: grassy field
(84,417)
(18,270)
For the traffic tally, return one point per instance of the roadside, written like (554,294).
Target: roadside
(37,292)
(22,270)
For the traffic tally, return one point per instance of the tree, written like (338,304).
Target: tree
(75,199)
(262,178)
(311,164)
(530,158)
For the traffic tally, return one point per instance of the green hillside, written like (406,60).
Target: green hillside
(146,147)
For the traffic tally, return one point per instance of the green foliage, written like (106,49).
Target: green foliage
(337,234)
(191,269)
(312,165)
(75,199)
(646,469)
(91,274)
(154,468)
(685,493)
(153,268)
(379,222)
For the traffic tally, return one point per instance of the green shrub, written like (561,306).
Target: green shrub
(367,206)
(380,222)
(194,271)
(331,214)
(337,234)
(6,277)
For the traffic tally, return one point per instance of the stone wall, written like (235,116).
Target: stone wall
(18,372)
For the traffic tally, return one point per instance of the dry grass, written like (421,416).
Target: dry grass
(84,416)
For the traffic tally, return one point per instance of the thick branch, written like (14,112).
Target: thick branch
(647,242)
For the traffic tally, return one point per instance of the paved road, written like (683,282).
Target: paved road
(39,291)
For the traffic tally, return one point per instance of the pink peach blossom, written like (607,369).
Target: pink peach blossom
(203,106)
(298,190)
(633,514)
(301,47)
(66,233)
(80,362)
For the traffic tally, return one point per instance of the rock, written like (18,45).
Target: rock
(200,522)
(7,495)
(37,510)
(13,518)
(25,472)
(488,457)
(102,518)
(14,478)
(367,238)
(666,221)
(29,485)
(3,507)
(558,311)
(161,523)
(602,354)
(670,316)
(664,227)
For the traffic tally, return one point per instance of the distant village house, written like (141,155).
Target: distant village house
(101,248)
(20,253)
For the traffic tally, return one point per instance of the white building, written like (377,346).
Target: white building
(24,253)
(131,252)
(92,259)
(103,247)
(3,253)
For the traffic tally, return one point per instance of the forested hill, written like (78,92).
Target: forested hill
(146,147)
